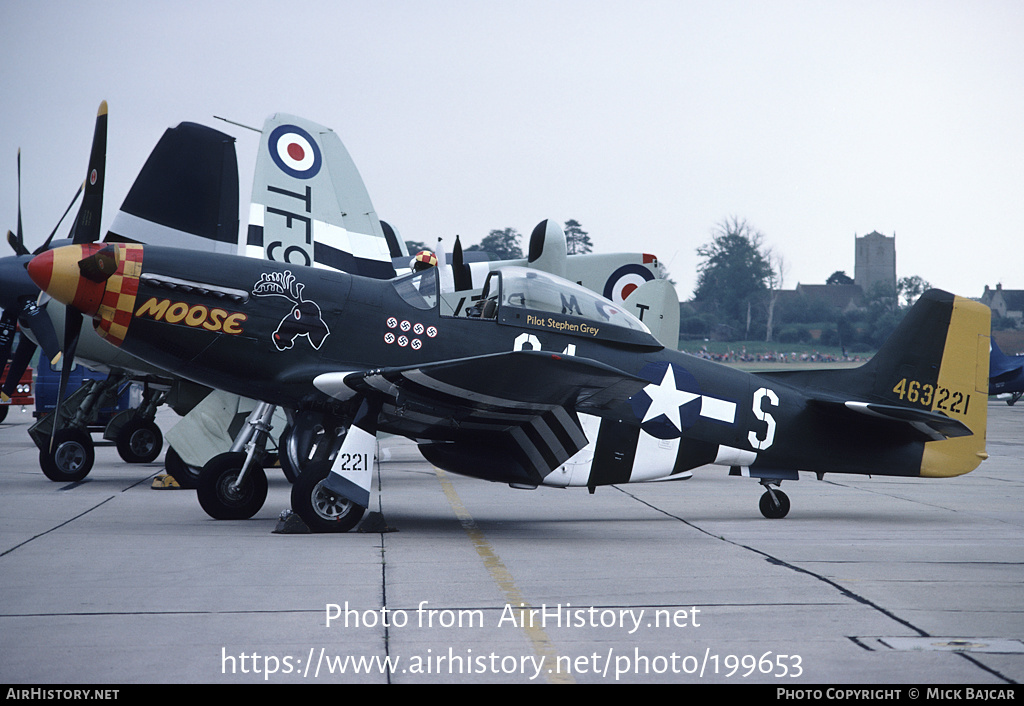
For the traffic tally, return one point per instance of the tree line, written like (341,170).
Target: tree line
(738,297)
(506,243)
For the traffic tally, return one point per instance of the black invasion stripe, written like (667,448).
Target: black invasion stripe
(614,453)
(347,262)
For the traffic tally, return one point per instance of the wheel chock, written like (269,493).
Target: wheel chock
(165,481)
(290,523)
(374,523)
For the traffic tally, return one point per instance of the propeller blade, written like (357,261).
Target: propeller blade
(12,240)
(15,240)
(72,329)
(21,236)
(87,225)
(36,320)
(46,245)
(22,356)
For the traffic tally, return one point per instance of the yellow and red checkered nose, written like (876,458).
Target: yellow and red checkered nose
(99,280)
(57,273)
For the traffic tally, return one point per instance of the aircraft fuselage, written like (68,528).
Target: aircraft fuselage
(267,331)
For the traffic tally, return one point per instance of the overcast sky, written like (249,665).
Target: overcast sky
(648,122)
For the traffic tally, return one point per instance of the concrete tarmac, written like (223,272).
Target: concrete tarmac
(875,581)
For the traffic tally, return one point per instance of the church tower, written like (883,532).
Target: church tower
(875,261)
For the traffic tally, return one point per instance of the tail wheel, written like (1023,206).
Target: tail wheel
(321,509)
(220,494)
(774,504)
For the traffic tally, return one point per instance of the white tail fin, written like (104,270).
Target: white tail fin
(309,204)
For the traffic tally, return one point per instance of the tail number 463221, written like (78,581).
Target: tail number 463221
(926,394)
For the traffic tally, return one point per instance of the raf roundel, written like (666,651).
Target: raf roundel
(625,280)
(294,151)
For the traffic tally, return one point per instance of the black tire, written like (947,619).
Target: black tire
(321,510)
(219,499)
(774,510)
(303,443)
(187,476)
(287,455)
(3,411)
(69,458)
(140,441)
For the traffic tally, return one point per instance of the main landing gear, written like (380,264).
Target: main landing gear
(233,485)
(774,503)
(321,509)
(69,455)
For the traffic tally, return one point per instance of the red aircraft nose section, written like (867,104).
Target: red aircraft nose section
(58,274)
(100,280)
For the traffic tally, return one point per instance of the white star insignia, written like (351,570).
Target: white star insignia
(667,399)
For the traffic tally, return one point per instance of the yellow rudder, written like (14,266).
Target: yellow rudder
(962,391)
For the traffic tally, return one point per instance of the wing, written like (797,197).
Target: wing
(522,403)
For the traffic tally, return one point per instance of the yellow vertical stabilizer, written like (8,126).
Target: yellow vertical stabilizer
(962,391)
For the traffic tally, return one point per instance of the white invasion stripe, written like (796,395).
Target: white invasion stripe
(729,456)
(333,384)
(256,214)
(361,245)
(150,233)
(719,410)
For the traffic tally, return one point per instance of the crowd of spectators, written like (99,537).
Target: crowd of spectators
(742,356)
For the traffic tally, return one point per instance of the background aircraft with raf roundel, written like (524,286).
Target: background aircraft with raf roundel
(539,382)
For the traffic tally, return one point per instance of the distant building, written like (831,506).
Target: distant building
(1006,303)
(875,261)
(844,297)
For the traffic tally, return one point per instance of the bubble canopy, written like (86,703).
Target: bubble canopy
(536,299)
(522,296)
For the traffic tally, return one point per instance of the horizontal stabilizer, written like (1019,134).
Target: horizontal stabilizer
(934,425)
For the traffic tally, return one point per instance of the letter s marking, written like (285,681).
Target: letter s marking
(769,437)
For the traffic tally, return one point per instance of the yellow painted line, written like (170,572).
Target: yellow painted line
(539,639)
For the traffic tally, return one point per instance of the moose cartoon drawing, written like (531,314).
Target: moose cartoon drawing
(304,319)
